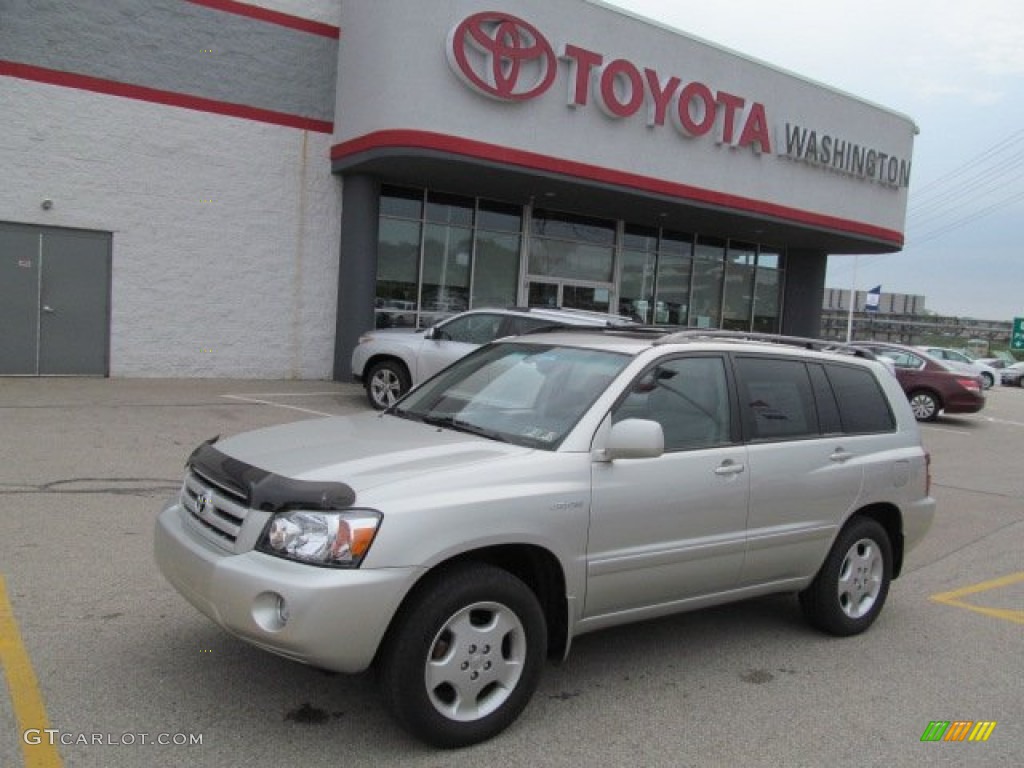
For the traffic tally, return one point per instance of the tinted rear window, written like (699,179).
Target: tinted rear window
(863,406)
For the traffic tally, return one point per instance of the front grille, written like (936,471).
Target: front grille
(216,511)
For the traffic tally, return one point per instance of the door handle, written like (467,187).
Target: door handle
(48,309)
(729,467)
(839,455)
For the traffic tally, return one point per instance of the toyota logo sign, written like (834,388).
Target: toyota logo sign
(501,56)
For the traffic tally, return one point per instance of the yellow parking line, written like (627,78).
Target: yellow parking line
(954,598)
(29,710)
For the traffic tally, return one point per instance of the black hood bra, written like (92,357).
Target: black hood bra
(264,490)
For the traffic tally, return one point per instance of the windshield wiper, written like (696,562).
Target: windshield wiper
(449,421)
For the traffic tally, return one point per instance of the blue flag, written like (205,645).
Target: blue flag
(872,299)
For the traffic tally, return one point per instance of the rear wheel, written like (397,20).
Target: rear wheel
(386,381)
(988,379)
(464,658)
(849,591)
(925,405)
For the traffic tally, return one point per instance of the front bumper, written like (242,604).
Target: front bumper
(333,618)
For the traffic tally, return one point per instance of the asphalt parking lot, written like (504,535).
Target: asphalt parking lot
(98,649)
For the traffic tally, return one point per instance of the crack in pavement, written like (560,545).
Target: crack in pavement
(115,486)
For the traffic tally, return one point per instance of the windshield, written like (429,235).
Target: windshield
(528,395)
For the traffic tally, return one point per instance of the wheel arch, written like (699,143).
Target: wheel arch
(535,566)
(384,357)
(889,517)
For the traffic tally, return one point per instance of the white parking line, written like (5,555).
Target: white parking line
(943,429)
(1005,421)
(259,401)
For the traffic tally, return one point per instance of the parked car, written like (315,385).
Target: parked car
(545,486)
(389,362)
(1013,375)
(957,359)
(931,385)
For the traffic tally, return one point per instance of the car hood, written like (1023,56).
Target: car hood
(362,451)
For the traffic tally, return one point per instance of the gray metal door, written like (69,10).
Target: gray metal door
(54,301)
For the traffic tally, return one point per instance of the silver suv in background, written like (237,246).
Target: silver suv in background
(545,486)
(389,362)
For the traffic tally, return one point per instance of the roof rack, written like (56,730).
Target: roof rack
(819,345)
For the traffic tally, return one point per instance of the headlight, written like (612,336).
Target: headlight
(338,539)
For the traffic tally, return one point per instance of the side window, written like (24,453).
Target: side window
(825,399)
(471,329)
(776,398)
(863,406)
(689,397)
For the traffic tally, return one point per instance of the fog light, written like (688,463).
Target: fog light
(270,611)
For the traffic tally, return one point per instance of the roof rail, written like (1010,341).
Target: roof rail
(767,338)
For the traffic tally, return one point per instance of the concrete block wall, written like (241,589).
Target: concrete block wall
(225,229)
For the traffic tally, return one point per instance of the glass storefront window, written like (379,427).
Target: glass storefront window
(767,288)
(675,267)
(739,286)
(398,202)
(496,266)
(573,247)
(708,272)
(496,275)
(440,254)
(398,258)
(449,209)
(639,263)
(447,253)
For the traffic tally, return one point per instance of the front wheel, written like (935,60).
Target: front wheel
(386,381)
(924,405)
(464,656)
(849,591)
(988,379)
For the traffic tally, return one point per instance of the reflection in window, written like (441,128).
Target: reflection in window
(739,286)
(398,254)
(688,397)
(573,247)
(708,272)
(675,267)
(636,276)
(767,285)
(447,252)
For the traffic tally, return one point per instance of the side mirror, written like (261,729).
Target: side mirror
(635,439)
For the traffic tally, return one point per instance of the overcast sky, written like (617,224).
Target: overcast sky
(957,69)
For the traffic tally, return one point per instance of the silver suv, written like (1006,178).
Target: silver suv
(388,362)
(543,487)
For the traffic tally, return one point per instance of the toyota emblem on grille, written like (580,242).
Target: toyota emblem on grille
(501,56)
(204,503)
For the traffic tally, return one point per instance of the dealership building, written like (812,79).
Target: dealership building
(240,189)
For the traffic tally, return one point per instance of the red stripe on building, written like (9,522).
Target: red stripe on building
(156,96)
(407,139)
(271,17)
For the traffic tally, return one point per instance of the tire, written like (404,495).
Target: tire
(925,405)
(386,381)
(988,380)
(849,591)
(464,656)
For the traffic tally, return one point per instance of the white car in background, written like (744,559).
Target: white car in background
(391,361)
(957,359)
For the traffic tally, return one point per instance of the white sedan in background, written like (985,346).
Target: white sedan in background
(989,375)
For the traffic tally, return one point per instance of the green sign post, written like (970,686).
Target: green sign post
(1017,337)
